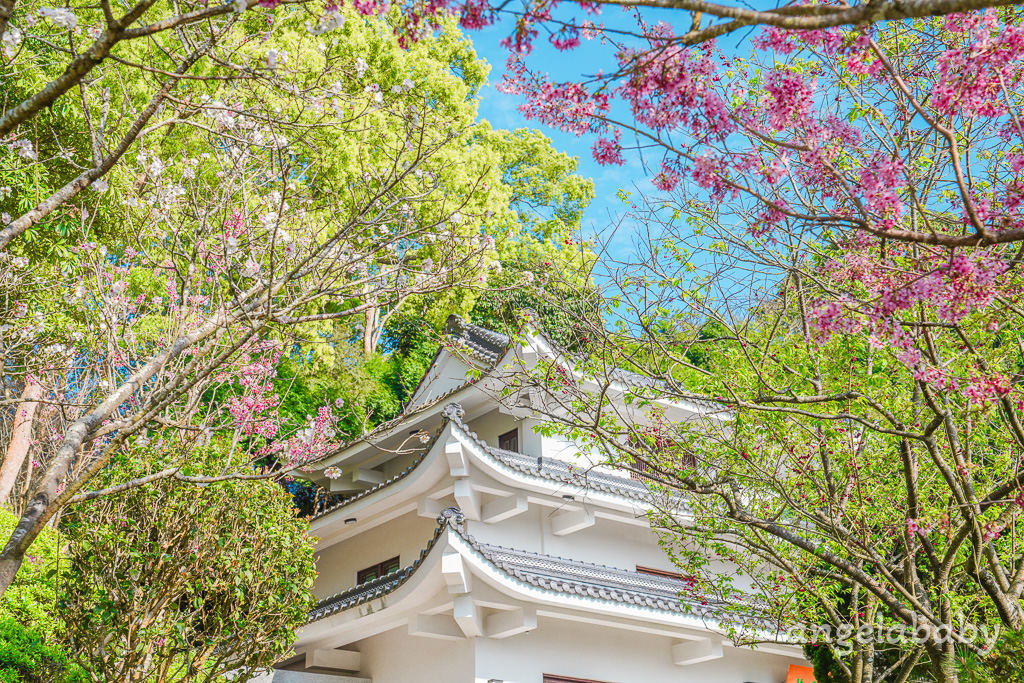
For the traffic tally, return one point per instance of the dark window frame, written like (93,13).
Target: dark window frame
(555,678)
(378,570)
(644,471)
(509,438)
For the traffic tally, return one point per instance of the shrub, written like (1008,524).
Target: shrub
(171,582)
(25,657)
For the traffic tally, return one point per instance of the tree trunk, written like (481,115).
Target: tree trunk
(370,332)
(39,510)
(944,663)
(8,570)
(21,439)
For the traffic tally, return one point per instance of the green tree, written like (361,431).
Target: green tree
(32,598)
(30,627)
(280,197)
(173,582)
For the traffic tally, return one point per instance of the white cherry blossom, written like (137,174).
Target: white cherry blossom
(276,57)
(331,21)
(250,269)
(11,40)
(61,17)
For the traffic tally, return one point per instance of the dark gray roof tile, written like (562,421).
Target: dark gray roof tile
(480,341)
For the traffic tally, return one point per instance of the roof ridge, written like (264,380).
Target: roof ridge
(487,343)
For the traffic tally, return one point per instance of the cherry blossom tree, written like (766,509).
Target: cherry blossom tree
(857,465)
(706,21)
(284,189)
(203,304)
(829,263)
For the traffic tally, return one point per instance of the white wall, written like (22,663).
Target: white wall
(608,542)
(442,377)
(612,656)
(491,425)
(305,677)
(338,564)
(396,657)
(556,646)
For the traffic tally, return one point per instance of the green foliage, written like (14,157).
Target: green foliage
(173,582)
(29,623)
(826,669)
(501,310)
(31,599)
(532,206)
(698,354)
(1006,663)
(545,198)
(25,657)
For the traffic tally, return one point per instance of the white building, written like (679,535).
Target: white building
(490,553)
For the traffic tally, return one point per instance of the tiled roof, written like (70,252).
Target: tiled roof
(490,346)
(486,344)
(534,466)
(596,581)
(555,574)
(634,379)
(552,469)
(372,590)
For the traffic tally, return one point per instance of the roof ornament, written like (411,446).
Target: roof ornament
(454,412)
(453,517)
(455,326)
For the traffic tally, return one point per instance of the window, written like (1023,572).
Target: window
(377,570)
(551,678)
(641,470)
(684,459)
(509,441)
(661,573)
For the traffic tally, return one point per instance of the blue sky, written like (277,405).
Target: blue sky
(501,110)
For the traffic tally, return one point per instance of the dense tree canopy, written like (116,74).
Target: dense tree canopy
(237,209)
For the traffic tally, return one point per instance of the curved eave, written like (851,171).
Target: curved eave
(485,364)
(412,477)
(658,611)
(420,582)
(536,480)
(431,467)
(512,358)
(413,586)
(399,585)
